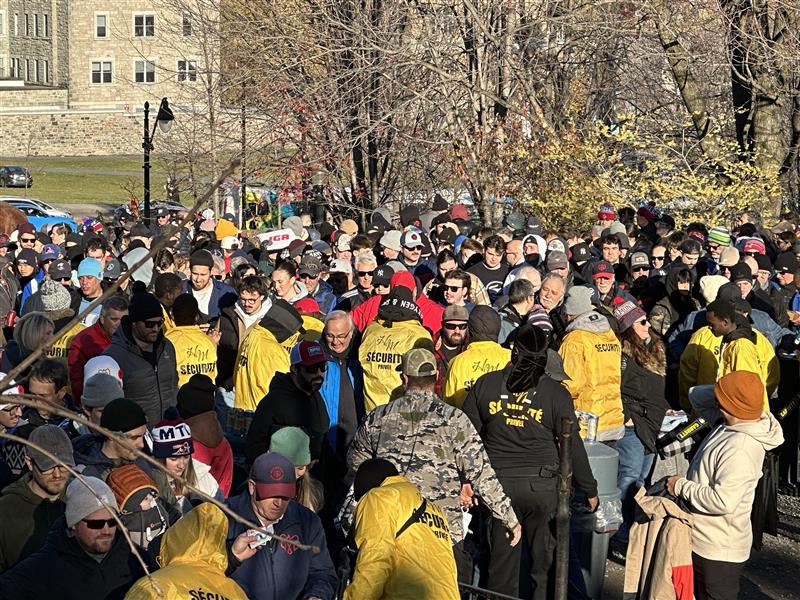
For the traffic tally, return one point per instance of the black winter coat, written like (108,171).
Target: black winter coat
(63,570)
(643,400)
(230,327)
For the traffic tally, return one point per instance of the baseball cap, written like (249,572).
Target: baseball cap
(13,390)
(343,242)
(786,263)
(5,242)
(90,267)
(306,353)
(728,257)
(382,275)
(411,239)
(340,265)
(391,240)
(59,269)
(162,211)
(27,257)
(49,252)
(639,259)
(754,245)
(741,272)
(56,441)
(310,266)
(418,362)
(273,475)
(602,269)
(556,260)
(229,242)
(113,269)
(580,253)
(455,313)
(349,227)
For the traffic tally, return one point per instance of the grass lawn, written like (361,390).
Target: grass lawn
(86,180)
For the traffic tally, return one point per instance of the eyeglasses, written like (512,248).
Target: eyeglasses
(11,408)
(338,338)
(658,257)
(99,523)
(455,326)
(453,288)
(153,324)
(244,300)
(50,470)
(23,240)
(365,273)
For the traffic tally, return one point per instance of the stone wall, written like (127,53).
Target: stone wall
(35,99)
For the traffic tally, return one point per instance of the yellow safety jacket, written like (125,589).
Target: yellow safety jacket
(403,553)
(743,355)
(260,357)
(380,353)
(168,322)
(465,368)
(195,352)
(592,360)
(313,328)
(699,364)
(60,348)
(193,560)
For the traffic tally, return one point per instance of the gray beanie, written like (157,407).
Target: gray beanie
(55,296)
(579,300)
(83,501)
(100,389)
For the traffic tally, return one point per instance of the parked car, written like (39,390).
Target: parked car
(22,203)
(15,177)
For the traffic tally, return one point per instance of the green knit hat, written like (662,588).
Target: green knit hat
(293,443)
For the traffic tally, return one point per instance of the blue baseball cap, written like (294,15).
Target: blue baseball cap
(49,252)
(90,267)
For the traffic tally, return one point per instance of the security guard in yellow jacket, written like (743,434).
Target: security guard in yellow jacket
(483,354)
(403,541)
(592,357)
(397,330)
(195,351)
(193,560)
(264,353)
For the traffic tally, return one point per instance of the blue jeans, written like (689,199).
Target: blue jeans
(634,466)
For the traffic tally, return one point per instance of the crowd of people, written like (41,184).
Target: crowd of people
(375,410)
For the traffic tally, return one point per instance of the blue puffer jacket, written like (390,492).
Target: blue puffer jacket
(330,390)
(279,571)
(222,296)
(324,297)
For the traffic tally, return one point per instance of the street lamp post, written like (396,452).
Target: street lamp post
(164,123)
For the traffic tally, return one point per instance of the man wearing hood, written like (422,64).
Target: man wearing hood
(397,329)
(482,355)
(518,413)
(720,484)
(146,357)
(263,353)
(678,303)
(212,295)
(592,358)
(293,400)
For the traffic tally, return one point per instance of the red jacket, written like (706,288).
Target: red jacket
(212,448)
(432,313)
(89,343)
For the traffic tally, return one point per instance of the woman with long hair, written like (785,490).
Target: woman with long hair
(644,367)
(31,331)
(294,444)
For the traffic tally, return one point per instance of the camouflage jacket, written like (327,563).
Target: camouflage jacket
(436,447)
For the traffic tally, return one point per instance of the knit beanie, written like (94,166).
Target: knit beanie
(627,314)
(201,258)
(606,213)
(82,499)
(126,480)
(720,236)
(483,324)
(741,394)
(399,305)
(122,415)
(172,437)
(196,396)
(55,296)
(225,228)
(100,389)
(709,286)
(144,306)
(741,272)
(371,474)
(293,443)
(578,301)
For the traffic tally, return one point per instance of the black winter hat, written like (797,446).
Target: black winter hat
(439,203)
(786,263)
(144,306)
(741,272)
(371,474)
(409,216)
(399,305)
(483,324)
(201,258)
(196,396)
(122,415)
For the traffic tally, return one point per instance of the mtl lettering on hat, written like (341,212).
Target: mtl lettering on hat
(411,239)
(172,438)
(306,353)
(603,269)
(273,476)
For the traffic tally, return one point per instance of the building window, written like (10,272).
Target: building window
(46,25)
(15,68)
(2,22)
(187,70)
(187,24)
(46,64)
(27,24)
(35,25)
(2,67)
(27,69)
(144,25)
(36,70)
(101,71)
(101,25)
(144,71)
(16,24)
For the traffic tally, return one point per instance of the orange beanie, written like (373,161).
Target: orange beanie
(741,394)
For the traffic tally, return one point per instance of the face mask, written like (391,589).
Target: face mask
(532,259)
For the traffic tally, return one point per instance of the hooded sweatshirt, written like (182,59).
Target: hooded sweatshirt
(721,482)
(592,358)
(26,532)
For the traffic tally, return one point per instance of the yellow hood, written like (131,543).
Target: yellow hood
(199,536)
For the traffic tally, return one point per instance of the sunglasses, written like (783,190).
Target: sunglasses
(308,276)
(27,240)
(642,322)
(365,273)
(153,324)
(455,326)
(316,368)
(658,257)
(453,288)
(638,269)
(100,523)
(63,279)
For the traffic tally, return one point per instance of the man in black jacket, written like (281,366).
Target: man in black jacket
(293,400)
(518,413)
(84,556)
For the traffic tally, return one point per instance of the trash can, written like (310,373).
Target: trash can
(595,530)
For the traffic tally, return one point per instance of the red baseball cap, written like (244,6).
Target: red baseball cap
(603,269)
(273,475)
(754,245)
(403,279)
(306,353)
